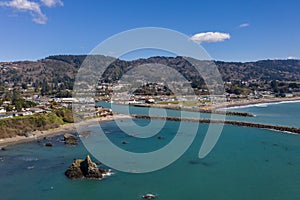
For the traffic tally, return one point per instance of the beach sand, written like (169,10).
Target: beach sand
(246,102)
(66,128)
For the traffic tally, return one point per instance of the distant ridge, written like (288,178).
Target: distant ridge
(62,69)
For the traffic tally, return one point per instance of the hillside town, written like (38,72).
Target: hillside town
(29,87)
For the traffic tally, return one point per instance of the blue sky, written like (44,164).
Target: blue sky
(257,29)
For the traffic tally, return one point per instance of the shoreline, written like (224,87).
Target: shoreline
(71,127)
(224,108)
(262,104)
(249,103)
(66,128)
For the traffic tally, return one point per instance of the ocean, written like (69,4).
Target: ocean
(246,163)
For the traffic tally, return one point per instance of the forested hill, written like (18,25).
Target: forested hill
(59,71)
(282,70)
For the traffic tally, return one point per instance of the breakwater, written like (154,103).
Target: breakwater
(209,111)
(229,122)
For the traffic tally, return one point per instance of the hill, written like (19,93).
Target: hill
(57,73)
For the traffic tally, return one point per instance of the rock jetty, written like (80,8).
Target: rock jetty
(201,110)
(230,122)
(84,169)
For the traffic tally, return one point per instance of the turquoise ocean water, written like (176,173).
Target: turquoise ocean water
(246,163)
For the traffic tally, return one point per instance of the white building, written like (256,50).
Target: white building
(2,110)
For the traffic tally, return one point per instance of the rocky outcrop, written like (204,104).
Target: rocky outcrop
(84,169)
(70,139)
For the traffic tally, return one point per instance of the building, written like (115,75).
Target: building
(2,110)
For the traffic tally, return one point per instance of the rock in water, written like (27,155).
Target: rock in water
(84,169)
(3,148)
(74,171)
(49,144)
(90,169)
(149,196)
(70,139)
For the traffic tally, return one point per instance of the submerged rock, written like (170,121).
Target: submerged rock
(199,162)
(84,169)
(85,133)
(160,137)
(3,148)
(49,144)
(70,139)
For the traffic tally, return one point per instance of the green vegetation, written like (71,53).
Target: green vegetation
(21,103)
(65,114)
(22,126)
(239,90)
(55,75)
(16,100)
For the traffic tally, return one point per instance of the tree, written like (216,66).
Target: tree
(24,86)
(15,96)
(274,86)
(45,88)
(18,105)
(9,108)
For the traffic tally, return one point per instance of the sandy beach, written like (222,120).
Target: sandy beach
(250,102)
(66,128)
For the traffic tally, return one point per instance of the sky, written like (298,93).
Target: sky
(228,30)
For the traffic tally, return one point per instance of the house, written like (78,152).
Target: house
(2,110)
(150,100)
(36,110)
(286,95)
(7,102)
(24,113)
(6,116)
(67,100)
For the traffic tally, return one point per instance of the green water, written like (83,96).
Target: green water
(246,163)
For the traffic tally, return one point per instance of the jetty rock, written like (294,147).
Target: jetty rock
(84,169)
(70,139)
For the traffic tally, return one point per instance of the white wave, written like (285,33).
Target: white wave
(30,167)
(109,173)
(28,159)
(263,105)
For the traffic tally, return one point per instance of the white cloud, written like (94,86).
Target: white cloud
(244,25)
(34,8)
(52,3)
(291,57)
(209,37)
